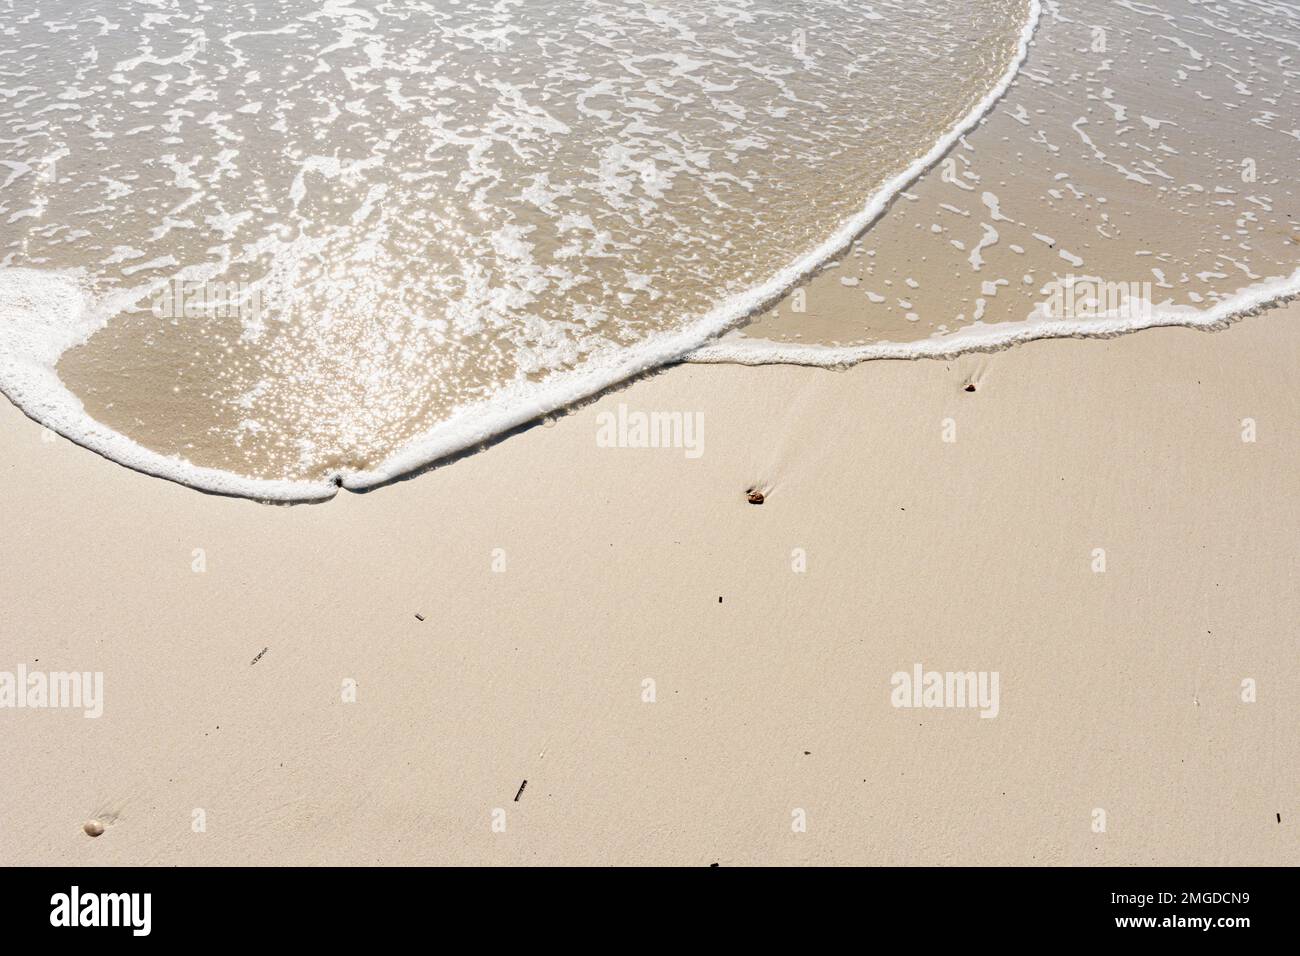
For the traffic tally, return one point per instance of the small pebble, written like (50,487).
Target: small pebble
(754,497)
(93,828)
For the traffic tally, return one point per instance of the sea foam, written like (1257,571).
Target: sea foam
(475,231)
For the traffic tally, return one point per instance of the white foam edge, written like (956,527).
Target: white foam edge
(27,373)
(479,423)
(45,313)
(982,337)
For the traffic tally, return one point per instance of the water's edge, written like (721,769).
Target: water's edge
(29,379)
(1002,335)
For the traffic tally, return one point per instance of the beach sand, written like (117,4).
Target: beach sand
(1120,691)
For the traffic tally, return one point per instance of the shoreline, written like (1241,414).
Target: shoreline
(1256,300)
(1259,299)
(508,409)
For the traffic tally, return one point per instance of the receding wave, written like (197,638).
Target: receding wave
(276,247)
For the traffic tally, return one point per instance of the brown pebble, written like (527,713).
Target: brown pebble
(93,828)
(754,496)
(970,387)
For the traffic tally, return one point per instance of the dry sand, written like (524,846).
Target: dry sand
(1119,691)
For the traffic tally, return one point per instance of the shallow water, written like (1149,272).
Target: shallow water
(1141,168)
(298,238)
